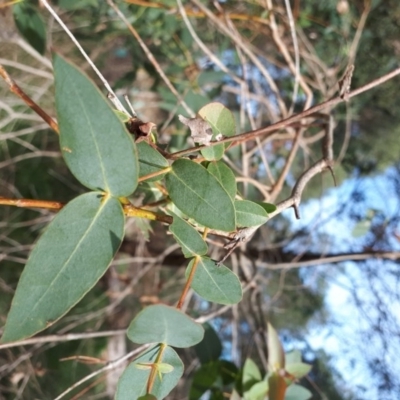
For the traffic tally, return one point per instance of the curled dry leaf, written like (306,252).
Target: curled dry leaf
(200,130)
(141,130)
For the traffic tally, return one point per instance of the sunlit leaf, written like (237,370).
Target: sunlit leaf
(69,258)
(298,370)
(222,123)
(276,355)
(257,392)
(251,372)
(297,392)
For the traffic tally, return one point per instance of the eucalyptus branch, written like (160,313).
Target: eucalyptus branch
(271,129)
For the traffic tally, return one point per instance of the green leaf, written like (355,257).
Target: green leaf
(94,142)
(189,239)
(216,284)
(210,348)
(150,161)
(31,25)
(298,370)
(225,177)
(163,324)
(133,381)
(276,356)
(257,392)
(249,214)
(199,195)
(69,258)
(293,356)
(251,373)
(268,207)
(297,392)
(222,122)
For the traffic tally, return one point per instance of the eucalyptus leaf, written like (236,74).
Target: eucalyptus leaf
(94,142)
(251,373)
(133,382)
(249,214)
(69,258)
(225,176)
(215,283)
(164,324)
(190,240)
(297,392)
(150,161)
(222,123)
(198,194)
(257,392)
(298,370)
(268,207)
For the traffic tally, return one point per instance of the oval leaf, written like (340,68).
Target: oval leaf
(297,392)
(251,373)
(217,284)
(268,207)
(133,381)
(298,370)
(222,122)
(69,258)
(249,214)
(163,324)
(198,194)
(94,142)
(150,161)
(257,392)
(225,177)
(190,240)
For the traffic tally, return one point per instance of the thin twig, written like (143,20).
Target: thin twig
(287,121)
(112,96)
(62,338)
(111,365)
